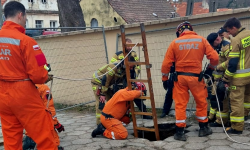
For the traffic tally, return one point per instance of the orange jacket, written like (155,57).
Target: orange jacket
(118,105)
(44,92)
(187,52)
(20,56)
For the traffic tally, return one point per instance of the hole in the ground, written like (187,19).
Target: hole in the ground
(165,130)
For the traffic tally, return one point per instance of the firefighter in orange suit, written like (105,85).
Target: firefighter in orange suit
(22,64)
(114,113)
(103,78)
(237,74)
(45,96)
(187,51)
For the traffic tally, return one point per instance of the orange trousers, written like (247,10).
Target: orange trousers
(114,129)
(21,108)
(181,98)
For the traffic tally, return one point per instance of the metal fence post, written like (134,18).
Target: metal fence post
(105,44)
(117,40)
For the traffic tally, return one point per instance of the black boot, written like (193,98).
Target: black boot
(204,129)
(98,131)
(163,115)
(28,143)
(60,148)
(180,135)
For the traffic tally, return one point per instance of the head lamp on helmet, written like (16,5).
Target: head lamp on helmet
(182,26)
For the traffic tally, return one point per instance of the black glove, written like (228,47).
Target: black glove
(165,84)
(209,72)
(214,103)
(59,127)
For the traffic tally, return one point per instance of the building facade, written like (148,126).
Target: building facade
(40,13)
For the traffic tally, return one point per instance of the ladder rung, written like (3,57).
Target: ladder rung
(132,45)
(143,113)
(138,80)
(146,129)
(143,97)
(137,63)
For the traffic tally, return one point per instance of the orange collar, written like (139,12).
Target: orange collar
(13,26)
(188,33)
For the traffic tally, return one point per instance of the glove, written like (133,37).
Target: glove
(214,103)
(59,127)
(102,99)
(50,77)
(225,80)
(209,71)
(125,119)
(165,84)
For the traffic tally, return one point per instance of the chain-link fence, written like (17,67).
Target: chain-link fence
(74,56)
(158,42)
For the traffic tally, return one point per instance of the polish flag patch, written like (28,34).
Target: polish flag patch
(36,47)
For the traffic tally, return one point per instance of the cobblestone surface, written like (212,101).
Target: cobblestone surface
(78,128)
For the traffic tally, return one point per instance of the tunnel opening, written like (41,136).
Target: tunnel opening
(165,130)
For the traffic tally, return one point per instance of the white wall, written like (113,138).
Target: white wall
(45,17)
(50,5)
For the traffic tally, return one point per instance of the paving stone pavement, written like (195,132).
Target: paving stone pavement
(78,128)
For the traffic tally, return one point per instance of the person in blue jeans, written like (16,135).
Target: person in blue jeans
(169,95)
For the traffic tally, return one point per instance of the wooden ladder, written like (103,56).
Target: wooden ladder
(148,80)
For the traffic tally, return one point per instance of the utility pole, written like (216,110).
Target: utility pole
(190,7)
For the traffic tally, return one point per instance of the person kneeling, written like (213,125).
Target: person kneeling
(114,113)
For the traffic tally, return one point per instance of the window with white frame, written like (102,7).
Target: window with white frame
(53,24)
(94,23)
(39,23)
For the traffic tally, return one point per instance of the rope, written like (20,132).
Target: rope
(221,116)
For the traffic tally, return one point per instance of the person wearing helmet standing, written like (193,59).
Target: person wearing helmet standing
(114,113)
(237,74)
(187,51)
(222,48)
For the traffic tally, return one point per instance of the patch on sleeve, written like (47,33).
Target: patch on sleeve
(36,47)
(41,60)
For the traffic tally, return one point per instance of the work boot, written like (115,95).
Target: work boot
(98,131)
(60,148)
(215,124)
(147,117)
(28,143)
(246,118)
(233,131)
(180,135)
(204,129)
(163,115)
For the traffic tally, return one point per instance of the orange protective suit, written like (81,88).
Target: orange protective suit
(44,93)
(117,107)
(22,66)
(187,52)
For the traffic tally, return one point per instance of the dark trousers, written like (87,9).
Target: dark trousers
(168,101)
(139,103)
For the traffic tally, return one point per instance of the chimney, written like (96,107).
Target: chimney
(205,4)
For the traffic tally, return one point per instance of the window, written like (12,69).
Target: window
(44,1)
(53,24)
(39,23)
(94,23)
(31,1)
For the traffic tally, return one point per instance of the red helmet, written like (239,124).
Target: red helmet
(141,87)
(182,26)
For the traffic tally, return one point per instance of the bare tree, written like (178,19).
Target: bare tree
(70,14)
